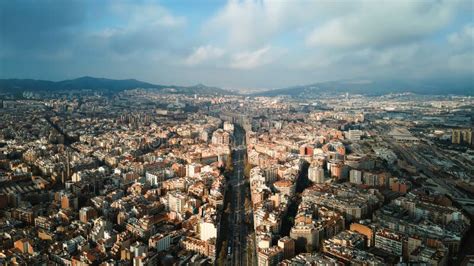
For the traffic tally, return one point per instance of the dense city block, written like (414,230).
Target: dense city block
(149,177)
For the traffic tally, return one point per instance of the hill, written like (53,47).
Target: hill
(458,86)
(99,84)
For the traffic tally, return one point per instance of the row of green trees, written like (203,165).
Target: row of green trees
(229,165)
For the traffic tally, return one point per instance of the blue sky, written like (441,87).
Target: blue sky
(237,44)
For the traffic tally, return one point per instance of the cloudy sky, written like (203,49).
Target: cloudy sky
(237,44)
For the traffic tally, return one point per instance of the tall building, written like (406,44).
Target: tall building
(228,126)
(176,201)
(160,242)
(355,176)
(86,214)
(306,150)
(316,174)
(220,137)
(288,246)
(270,256)
(462,136)
(337,170)
(193,169)
(354,135)
(270,173)
(69,201)
(155,178)
(456,136)
(138,249)
(306,236)
(390,242)
(207,230)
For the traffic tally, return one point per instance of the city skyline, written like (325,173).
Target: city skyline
(239,132)
(237,44)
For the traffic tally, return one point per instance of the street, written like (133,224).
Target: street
(237,244)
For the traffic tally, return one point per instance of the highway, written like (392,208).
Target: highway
(237,244)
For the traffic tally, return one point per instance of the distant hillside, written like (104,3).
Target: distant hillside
(197,89)
(461,86)
(99,84)
(456,86)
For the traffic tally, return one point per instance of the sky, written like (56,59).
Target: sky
(238,43)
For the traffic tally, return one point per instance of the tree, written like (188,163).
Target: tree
(291,219)
(247,204)
(229,167)
(247,167)
(249,253)
(222,254)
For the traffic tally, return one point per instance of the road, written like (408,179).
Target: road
(237,244)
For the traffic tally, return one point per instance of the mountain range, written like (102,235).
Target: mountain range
(100,84)
(440,86)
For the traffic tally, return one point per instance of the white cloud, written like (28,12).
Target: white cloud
(249,24)
(462,44)
(243,23)
(332,38)
(463,39)
(145,30)
(383,24)
(203,54)
(293,42)
(251,59)
(147,14)
(462,63)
